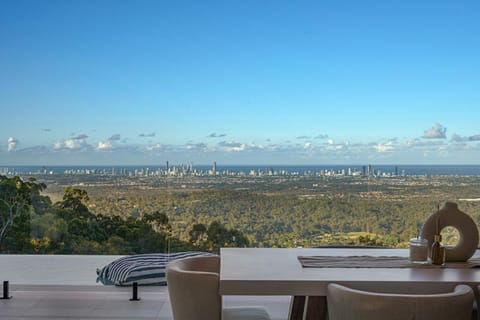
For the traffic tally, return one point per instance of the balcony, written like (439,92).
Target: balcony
(64,287)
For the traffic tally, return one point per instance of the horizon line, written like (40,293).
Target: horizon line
(230,165)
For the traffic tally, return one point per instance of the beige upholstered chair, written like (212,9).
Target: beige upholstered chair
(345,303)
(193,287)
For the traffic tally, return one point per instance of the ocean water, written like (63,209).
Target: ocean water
(452,170)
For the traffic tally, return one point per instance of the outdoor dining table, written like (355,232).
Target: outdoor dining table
(275,271)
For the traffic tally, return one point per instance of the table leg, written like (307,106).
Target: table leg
(308,308)
(316,308)
(297,307)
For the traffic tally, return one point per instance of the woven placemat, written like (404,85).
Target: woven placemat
(376,262)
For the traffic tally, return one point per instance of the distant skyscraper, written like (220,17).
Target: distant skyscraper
(214,167)
(167,169)
(270,171)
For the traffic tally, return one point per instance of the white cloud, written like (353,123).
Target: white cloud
(189,147)
(76,143)
(72,144)
(385,147)
(232,146)
(409,143)
(195,147)
(109,144)
(417,143)
(11,144)
(104,145)
(257,147)
(436,132)
(154,147)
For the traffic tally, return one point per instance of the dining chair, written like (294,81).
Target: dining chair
(346,303)
(193,288)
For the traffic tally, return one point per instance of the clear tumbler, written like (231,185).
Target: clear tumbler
(419,250)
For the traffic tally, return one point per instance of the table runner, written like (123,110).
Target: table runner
(376,262)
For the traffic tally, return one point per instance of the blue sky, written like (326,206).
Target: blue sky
(239,82)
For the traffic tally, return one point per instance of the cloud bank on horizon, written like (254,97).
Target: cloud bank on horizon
(431,147)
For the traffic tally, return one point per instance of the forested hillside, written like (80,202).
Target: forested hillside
(282,220)
(31,223)
(127,219)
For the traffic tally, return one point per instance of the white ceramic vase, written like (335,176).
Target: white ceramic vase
(450,216)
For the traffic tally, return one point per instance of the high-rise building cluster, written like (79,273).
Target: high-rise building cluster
(204,171)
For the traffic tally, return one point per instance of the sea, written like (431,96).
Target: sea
(411,170)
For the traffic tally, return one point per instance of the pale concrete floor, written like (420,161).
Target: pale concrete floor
(64,287)
(82,303)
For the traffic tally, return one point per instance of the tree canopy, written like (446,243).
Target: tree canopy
(30,223)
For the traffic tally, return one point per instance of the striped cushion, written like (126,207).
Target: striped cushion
(145,269)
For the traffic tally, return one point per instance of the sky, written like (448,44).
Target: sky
(239,82)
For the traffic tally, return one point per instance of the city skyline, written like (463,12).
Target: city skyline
(243,82)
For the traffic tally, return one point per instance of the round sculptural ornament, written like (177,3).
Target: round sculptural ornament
(450,216)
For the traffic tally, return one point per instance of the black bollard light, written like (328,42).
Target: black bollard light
(135,292)
(6,295)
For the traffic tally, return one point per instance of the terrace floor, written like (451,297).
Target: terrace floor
(64,287)
(82,303)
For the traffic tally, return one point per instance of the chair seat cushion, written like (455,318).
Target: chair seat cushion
(245,313)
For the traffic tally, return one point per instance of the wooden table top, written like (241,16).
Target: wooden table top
(272,271)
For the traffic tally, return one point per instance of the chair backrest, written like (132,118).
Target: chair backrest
(193,288)
(346,303)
